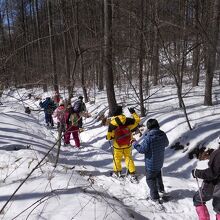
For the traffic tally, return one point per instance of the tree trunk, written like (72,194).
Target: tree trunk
(81,59)
(196,51)
(108,55)
(155,55)
(52,49)
(66,52)
(9,26)
(100,70)
(211,51)
(25,55)
(37,26)
(141,57)
(196,64)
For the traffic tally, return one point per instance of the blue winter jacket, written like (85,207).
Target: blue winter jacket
(153,147)
(48,105)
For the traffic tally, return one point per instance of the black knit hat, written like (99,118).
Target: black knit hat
(80,97)
(117,110)
(152,123)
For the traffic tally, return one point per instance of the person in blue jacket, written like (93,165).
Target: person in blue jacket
(49,106)
(153,147)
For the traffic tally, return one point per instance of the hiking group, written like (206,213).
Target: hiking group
(153,147)
(153,144)
(68,117)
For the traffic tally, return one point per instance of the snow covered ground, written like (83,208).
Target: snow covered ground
(80,186)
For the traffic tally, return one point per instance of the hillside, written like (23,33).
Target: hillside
(80,186)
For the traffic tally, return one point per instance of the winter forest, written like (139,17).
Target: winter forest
(160,57)
(135,44)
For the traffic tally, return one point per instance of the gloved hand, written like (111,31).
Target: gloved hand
(193,173)
(132,141)
(131,110)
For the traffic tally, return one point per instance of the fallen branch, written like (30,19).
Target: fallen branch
(36,167)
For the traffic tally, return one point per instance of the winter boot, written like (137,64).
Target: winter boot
(119,174)
(116,174)
(133,178)
(156,201)
(202,212)
(217,216)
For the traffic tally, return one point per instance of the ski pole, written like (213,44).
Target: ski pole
(200,192)
(61,133)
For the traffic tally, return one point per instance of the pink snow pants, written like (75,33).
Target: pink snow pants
(75,133)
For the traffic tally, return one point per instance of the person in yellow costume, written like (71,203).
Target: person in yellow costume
(120,151)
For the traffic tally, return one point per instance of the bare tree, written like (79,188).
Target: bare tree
(212,42)
(108,55)
(155,53)
(101,53)
(52,49)
(196,51)
(141,57)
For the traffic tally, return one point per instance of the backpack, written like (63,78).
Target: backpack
(122,135)
(73,119)
(50,108)
(77,106)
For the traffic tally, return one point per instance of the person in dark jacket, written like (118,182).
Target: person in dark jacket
(79,107)
(48,106)
(210,188)
(153,147)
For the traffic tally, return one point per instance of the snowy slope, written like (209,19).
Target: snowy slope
(80,186)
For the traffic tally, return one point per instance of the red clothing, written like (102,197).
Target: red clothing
(75,133)
(60,113)
(71,129)
(56,99)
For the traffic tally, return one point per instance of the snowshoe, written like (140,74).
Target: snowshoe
(164,196)
(157,203)
(133,178)
(66,145)
(117,175)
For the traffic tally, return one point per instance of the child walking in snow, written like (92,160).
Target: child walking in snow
(153,147)
(59,114)
(79,108)
(210,188)
(72,120)
(120,150)
(48,106)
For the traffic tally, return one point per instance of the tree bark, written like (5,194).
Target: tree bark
(108,55)
(81,58)
(141,57)
(211,51)
(66,51)
(155,55)
(196,51)
(52,49)
(101,52)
